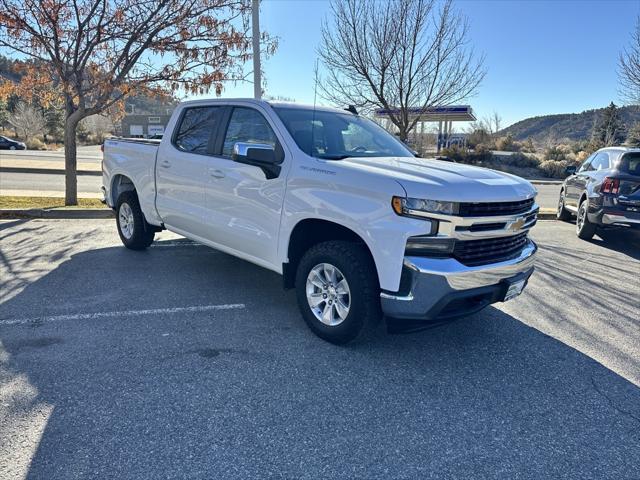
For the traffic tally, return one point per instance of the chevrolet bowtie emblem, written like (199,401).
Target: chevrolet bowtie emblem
(517,224)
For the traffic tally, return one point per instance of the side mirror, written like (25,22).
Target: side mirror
(259,155)
(570,170)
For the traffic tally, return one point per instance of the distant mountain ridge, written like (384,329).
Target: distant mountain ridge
(571,126)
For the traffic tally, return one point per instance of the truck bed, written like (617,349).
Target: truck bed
(134,158)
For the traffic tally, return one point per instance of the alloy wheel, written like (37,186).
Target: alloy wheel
(126,221)
(328,294)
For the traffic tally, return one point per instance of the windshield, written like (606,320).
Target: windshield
(334,136)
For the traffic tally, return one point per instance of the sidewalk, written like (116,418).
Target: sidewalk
(45,193)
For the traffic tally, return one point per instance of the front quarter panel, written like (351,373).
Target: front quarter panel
(323,190)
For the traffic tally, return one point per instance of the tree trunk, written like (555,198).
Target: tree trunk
(70,161)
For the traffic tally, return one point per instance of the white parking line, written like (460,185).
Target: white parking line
(123,313)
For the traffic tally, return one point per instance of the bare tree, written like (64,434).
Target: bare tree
(99,126)
(629,68)
(27,121)
(398,55)
(492,124)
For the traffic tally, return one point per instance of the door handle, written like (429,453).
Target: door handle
(216,173)
(165,164)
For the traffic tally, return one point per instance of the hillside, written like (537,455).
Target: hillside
(572,126)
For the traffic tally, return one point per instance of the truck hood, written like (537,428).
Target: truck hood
(446,181)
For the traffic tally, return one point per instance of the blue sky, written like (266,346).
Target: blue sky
(542,57)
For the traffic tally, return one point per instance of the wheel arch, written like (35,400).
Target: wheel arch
(120,183)
(312,231)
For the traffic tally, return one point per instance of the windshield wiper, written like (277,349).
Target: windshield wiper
(334,157)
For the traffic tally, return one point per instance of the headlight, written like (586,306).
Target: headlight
(419,207)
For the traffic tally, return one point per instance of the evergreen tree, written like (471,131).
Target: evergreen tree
(609,129)
(4,115)
(54,123)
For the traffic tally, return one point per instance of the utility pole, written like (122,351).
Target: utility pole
(257,78)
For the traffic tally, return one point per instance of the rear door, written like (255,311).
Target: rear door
(243,207)
(182,169)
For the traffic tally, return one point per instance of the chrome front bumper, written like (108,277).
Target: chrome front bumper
(444,287)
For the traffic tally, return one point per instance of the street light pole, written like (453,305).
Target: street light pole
(255,20)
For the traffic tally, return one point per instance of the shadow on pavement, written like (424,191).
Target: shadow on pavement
(621,240)
(252,393)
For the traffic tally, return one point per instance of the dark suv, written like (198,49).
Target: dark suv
(8,144)
(603,192)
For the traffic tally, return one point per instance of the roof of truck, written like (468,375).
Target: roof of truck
(272,103)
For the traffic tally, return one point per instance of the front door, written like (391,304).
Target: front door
(243,206)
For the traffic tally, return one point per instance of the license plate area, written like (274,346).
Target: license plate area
(514,288)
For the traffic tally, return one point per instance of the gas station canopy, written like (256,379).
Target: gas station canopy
(455,113)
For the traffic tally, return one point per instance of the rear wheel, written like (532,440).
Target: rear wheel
(133,229)
(562,213)
(584,228)
(337,290)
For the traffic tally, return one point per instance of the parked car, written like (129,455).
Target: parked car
(604,192)
(332,202)
(8,144)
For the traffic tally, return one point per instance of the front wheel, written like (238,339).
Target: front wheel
(562,213)
(133,229)
(584,228)
(337,290)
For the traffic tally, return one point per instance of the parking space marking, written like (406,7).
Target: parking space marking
(122,313)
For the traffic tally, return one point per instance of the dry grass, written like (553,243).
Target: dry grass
(45,202)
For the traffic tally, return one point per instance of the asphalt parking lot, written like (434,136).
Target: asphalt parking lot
(183,362)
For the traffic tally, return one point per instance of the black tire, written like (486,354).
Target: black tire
(584,228)
(562,213)
(356,266)
(140,236)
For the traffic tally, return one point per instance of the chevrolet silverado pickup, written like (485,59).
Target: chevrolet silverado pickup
(344,211)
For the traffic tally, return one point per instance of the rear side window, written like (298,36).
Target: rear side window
(249,126)
(630,164)
(197,126)
(601,161)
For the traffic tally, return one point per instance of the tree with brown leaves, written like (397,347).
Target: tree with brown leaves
(97,52)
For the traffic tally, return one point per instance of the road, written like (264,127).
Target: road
(182,362)
(89,153)
(547,195)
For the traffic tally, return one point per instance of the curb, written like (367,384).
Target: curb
(48,171)
(547,214)
(75,213)
(545,182)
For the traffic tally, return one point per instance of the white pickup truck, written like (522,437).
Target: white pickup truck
(344,211)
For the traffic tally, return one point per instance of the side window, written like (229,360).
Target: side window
(586,164)
(196,127)
(249,126)
(600,162)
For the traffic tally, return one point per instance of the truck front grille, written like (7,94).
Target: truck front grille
(495,209)
(489,250)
